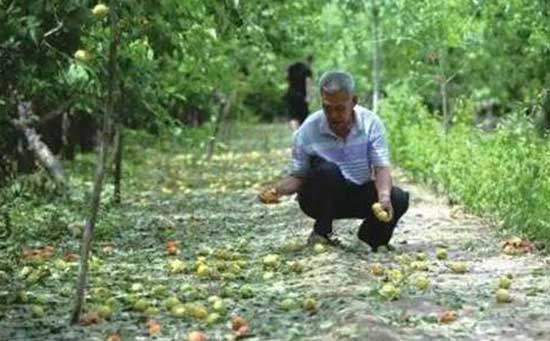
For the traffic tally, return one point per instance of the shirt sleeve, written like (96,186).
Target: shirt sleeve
(300,161)
(378,150)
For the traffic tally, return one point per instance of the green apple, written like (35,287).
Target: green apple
(319,248)
(503,296)
(104,311)
(178,310)
(441,254)
(422,282)
(310,304)
(389,292)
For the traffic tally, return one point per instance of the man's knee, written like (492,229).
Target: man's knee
(400,201)
(325,173)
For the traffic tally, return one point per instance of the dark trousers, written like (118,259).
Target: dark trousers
(296,105)
(326,195)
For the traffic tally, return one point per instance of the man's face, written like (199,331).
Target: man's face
(338,108)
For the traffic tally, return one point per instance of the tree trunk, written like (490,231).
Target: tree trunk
(443,90)
(376,56)
(225,107)
(118,162)
(100,171)
(39,148)
(67,151)
(445,106)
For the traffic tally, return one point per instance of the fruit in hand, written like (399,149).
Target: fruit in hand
(380,213)
(269,196)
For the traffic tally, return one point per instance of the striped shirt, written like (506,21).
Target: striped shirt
(365,146)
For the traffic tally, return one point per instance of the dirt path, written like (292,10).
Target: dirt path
(431,224)
(209,209)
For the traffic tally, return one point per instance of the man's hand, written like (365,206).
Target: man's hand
(383,209)
(385,201)
(269,195)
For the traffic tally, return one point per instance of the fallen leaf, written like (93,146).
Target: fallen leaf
(70,256)
(108,248)
(38,254)
(515,245)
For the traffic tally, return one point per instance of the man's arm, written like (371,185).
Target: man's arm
(286,186)
(289,185)
(383,184)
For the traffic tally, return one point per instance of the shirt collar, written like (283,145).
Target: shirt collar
(325,129)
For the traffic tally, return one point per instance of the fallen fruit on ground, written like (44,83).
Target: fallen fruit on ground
(199,312)
(441,254)
(310,304)
(196,336)
(176,266)
(419,266)
(178,310)
(422,282)
(243,331)
(153,327)
(448,316)
(319,248)
(396,276)
(203,271)
(160,291)
(504,282)
(171,302)
(104,311)
(237,322)
(213,318)
(246,291)
(389,292)
(37,311)
(459,267)
(271,261)
(377,269)
(141,305)
(268,275)
(288,304)
(421,256)
(218,306)
(503,296)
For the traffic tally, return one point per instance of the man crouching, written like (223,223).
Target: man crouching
(341,167)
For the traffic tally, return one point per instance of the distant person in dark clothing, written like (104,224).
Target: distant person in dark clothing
(299,78)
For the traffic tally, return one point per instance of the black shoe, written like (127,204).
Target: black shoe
(327,239)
